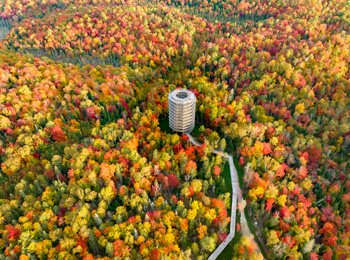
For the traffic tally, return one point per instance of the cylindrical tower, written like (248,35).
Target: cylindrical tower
(182,110)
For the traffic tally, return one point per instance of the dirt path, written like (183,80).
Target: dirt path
(244,224)
(236,196)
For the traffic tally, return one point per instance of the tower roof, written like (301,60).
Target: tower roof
(182,110)
(182,96)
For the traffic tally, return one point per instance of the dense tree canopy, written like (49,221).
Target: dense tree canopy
(86,170)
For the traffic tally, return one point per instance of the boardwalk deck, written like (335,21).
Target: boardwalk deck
(235,191)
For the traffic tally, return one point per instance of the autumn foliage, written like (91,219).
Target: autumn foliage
(86,171)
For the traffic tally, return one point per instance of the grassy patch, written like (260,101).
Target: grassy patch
(228,186)
(227,253)
(164,126)
(239,172)
(227,176)
(195,132)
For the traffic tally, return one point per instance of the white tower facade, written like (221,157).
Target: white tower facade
(182,110)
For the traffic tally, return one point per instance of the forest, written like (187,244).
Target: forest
(89,168)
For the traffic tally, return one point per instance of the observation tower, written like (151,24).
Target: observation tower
(182,110)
